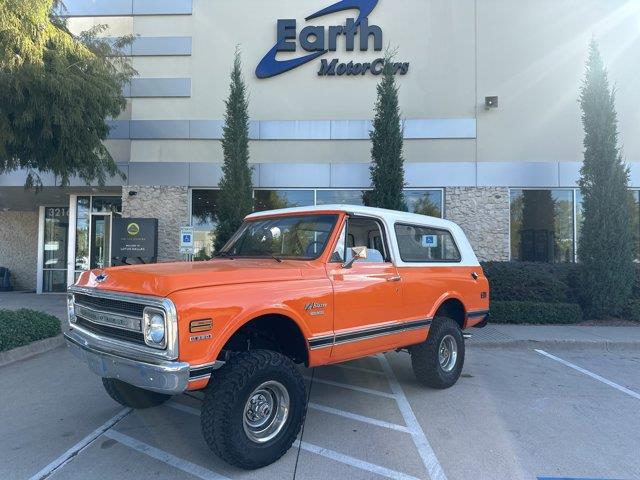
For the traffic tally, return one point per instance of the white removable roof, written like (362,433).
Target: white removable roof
(390,218)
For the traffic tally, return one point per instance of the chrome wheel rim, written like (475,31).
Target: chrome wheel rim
(266,412)
(448,353)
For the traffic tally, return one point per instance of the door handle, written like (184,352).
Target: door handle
(395,278)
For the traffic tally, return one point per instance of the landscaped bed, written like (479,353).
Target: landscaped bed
(543,293)
(21,327)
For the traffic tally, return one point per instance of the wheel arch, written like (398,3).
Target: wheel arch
(271,330)
(454,308)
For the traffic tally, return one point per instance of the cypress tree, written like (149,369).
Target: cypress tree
(606,242)
(235,197)
(387,167)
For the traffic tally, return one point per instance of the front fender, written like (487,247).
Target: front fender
(232,306)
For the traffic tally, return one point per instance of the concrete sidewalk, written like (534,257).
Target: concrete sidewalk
(51,303)
(556,335)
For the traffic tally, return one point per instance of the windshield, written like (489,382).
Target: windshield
(301,237)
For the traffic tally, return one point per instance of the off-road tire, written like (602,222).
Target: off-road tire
(424,356)
(225,399)
(131,396)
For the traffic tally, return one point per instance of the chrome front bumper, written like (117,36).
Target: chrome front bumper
(167,377)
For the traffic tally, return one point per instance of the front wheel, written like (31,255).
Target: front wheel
(253,409)
(437,362)
(133,397)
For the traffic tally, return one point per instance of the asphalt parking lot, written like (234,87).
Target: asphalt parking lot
(515,414)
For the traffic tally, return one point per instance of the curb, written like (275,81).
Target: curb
(605,345)
(27,351)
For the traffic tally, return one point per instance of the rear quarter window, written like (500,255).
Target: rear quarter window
(419,244)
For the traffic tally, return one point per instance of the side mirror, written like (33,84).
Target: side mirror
(358,253)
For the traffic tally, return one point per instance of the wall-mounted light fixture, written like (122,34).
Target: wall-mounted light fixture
(490,103)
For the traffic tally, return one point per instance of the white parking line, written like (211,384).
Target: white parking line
(352,387)
(354,462)
(359,418)
(427,454)
(165,457)
(323,452)
(80,446)
(591,374)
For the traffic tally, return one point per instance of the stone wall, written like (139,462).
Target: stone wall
(170,205)
(19,247)
(483,214)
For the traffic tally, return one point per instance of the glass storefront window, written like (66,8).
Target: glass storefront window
(82,233)
(56,229)
(634,199)
(424,202)
(107,205)
(204,210)
(276,199)
(340,197)
(542,224)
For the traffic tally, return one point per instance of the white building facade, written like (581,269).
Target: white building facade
(488,94)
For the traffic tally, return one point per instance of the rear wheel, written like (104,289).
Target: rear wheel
(254,408)
(133,397)
(438,361)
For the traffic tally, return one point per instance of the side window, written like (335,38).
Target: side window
(426,244)
(366,232)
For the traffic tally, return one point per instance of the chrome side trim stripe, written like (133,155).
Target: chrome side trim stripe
(367,333)
(201,371)
(477,313)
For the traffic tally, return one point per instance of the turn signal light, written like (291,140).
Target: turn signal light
(200,325)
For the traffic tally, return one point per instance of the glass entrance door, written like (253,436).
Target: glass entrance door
(54,267)
(100,241)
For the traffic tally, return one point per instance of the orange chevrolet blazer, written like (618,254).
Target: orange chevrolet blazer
(311,286)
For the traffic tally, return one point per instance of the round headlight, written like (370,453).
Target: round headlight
(155,330)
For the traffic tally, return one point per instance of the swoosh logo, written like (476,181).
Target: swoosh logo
(365,7)
(270,66)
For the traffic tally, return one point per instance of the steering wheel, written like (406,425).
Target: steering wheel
(309,252)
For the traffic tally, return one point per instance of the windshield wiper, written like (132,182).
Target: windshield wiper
(276,258)
(223,254)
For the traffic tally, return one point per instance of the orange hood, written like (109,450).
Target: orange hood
(162,279)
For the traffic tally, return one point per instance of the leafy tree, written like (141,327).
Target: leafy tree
(235,198)
(606,240)
(57,90)
(387,167)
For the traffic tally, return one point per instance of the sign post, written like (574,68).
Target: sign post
(186,242)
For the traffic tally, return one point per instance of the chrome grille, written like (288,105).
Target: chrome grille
(114,321)
(113,332)
(110,305)
(110,317)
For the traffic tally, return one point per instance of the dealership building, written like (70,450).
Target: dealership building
(488,92)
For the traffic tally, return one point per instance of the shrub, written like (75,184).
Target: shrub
(535,312)
(532,281)
(21,327)
(632,312)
